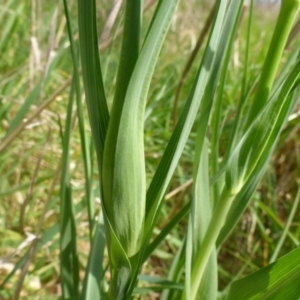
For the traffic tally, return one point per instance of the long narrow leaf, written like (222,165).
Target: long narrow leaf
(286,228)
(255,147)
(181,132)
(94,272)
(277,281)
(175,273)
(201,212)
(123,192)
(92,76)
(261,136)
(83,138)
(166,230)
(69,263)
(123,177)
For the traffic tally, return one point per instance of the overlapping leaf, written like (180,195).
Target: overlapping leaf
(277,281)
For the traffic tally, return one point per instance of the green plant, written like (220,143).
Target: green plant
(223,181)
(129,212)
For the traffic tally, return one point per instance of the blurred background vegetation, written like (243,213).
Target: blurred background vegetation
(35,72)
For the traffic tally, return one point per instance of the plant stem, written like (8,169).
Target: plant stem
(216,223)
(244,92)
(287,14)
(191,59)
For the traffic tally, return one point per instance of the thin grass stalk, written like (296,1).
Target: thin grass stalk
(184,125)
(94,277)
(69,264)
(92,75)
(18,119)
(278,222)
(166,230)
(200,216)
(294,32)
(287,15)
(191,59)
(33,182)
(7,31)
(105,44)
(175,273)
(201,260)
(215,123)
(240,203)
(244,96)
(83,140)
(10,24)
(286,228)
(98,116)
(292,59)
(34,96)
(110,21)
(19,129)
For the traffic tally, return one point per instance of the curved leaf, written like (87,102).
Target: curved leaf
(279,280)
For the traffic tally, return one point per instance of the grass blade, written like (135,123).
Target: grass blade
(166,230)
(9,25)
(92,75)
(244,92)
(123,192)
(83,139)
(279,280)
(179,137)
(33,95)
(287,15)
(192,58)
(94,272)
(69,263)
(216,117)
(254,148)
(175,273)
(286,228)
(122,160)
(201,212)
(261,136)
(240,204)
